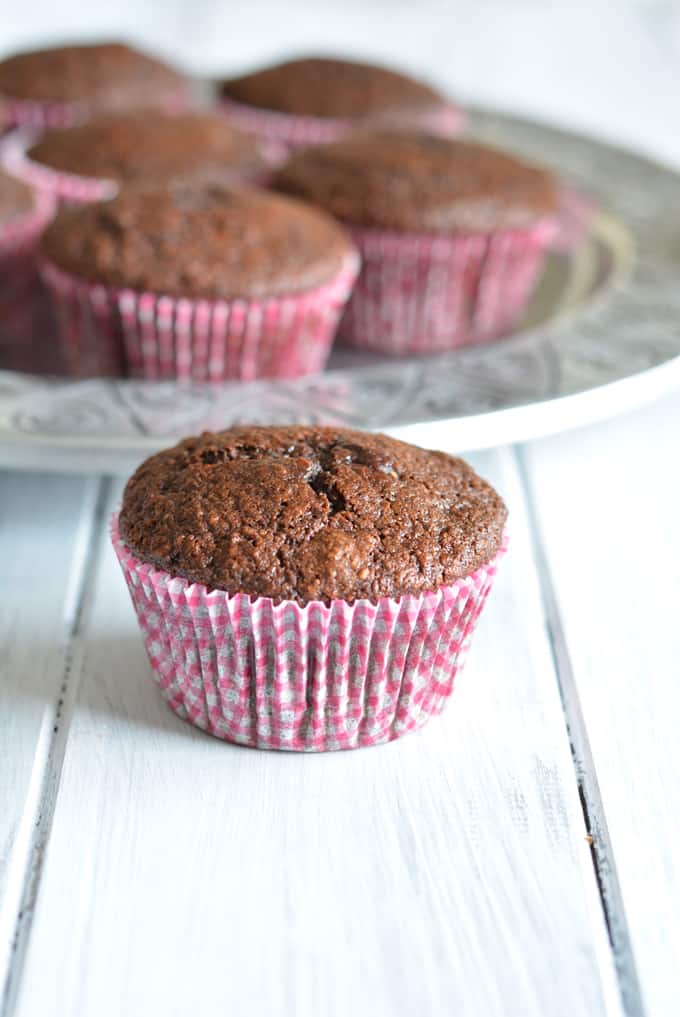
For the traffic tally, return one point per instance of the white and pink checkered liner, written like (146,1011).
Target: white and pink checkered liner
(68,188)
(43,115)
(161,337)
(20,293)
(576,214)
(30,113)
(313,678)
(297,131)
(427,293)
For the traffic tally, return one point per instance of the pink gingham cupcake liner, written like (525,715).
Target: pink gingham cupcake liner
(148,335)
(297,131)
(420,293)
(312,678)
(41,115)
(65,188)
(20,290)
(45,114)
(576,213)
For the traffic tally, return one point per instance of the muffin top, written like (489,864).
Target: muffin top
(198,239)
(16,198)
(415,181)
(325,87)
(143,145)
(105,75)
(310,513)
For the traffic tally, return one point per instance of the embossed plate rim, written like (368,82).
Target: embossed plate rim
(616,353)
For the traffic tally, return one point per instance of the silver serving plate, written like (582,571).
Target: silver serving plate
(602,334)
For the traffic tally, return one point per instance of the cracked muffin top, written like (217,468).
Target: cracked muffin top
(310,514)
(328,87)
(136,146)
(106,75)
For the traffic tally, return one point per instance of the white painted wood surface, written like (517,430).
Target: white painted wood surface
(44,530)
(148,869)
(449,871)
(608,510)
(192,875)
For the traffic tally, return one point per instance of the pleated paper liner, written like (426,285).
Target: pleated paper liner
(21,292)
(45,114)
(105,330)
(312,678)
(427,293)
(41,115)
(297,131)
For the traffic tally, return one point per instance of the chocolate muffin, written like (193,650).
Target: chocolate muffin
(16,199)
(316,100)
(410,181)
(307,588)
(198,280)
(197,239)
(103,76)
(140,146)
(452,235)
(332,88)
(311,513)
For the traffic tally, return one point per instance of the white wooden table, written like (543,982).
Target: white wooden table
(519,856)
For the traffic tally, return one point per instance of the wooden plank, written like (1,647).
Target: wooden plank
(447,873)
(45,522)
(608,503)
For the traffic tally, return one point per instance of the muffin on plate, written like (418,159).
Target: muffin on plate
(89,162)
(23,217)
(67,84)
(193,279)
(307,588)
(452,234)
(318,99)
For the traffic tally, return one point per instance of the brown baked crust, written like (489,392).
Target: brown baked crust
(310,513)
(104,76)
(16,199)
(325,87)
(146,145)
(414,181)
(198,239)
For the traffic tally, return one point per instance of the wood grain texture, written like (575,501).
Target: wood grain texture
(44,526)
(445,873)
(608,508)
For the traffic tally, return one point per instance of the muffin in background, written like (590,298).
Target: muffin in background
(23,217)
(64,85)
(16,200)
(452,234)
(90,161)
(319,99)
(193,279)
(331,579)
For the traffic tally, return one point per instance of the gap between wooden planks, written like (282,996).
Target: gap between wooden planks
(47,524)
(607,508)
(448,872)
